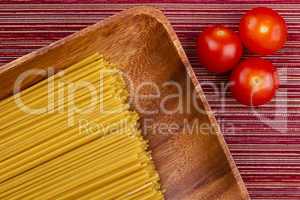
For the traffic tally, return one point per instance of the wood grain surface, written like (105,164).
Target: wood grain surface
(264,142)
(193,163)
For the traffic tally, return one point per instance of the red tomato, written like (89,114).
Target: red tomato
(263,30)
(254,81)
(219,49)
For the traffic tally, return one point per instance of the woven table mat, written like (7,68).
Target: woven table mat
(264,141)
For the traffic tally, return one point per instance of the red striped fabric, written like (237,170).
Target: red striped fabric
(265,142)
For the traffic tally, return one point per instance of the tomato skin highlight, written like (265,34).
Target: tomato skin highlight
(219,49)
(254,82)
(263,31)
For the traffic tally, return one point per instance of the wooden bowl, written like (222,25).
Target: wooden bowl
(190,154)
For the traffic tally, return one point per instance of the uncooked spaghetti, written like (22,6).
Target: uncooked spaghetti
(76,139)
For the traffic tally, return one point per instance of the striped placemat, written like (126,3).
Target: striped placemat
(264,142)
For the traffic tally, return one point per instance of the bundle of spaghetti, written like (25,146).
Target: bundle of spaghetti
(73,136)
